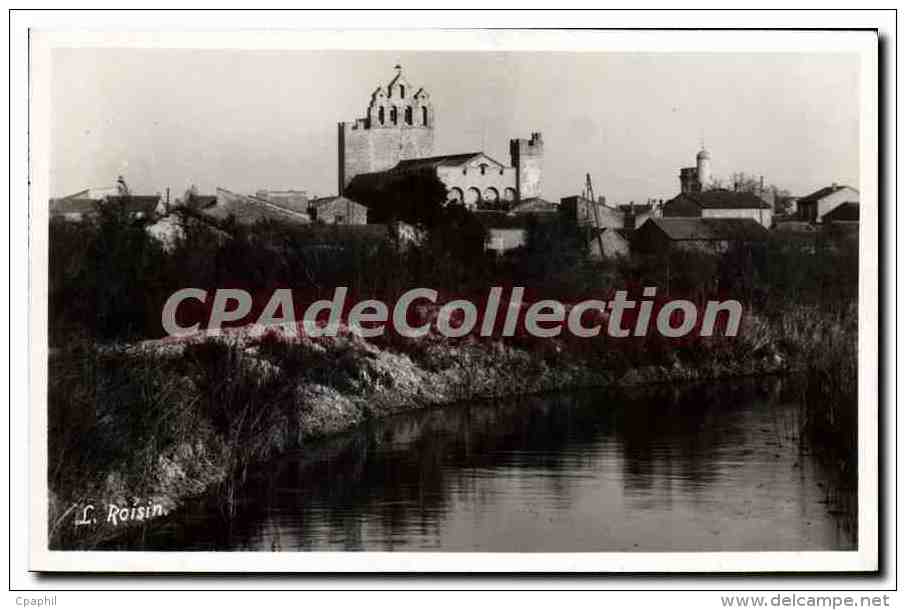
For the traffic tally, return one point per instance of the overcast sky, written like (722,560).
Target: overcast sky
(246,120)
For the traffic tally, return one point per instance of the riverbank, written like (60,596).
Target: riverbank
(159,422)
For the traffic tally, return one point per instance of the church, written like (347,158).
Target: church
(396,136)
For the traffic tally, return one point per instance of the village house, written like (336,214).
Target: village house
(791,225)
(291,199)
(635,215)
(337,210)
(583,211)
(85,204)
(247,209)
(608,243)
(604,226)
(197,202)
(719,203)
(73,208)
(714,235)
(815,206)
(699,199)
(505,231)
(844,213)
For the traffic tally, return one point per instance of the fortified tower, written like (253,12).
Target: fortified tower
(527,156)
(688,177)
(696,179)
(398,125)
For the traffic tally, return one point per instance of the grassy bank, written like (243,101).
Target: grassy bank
(159,422)
(830,393)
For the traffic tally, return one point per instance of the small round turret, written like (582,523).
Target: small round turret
(703,164)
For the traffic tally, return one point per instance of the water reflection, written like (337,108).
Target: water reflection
(702,468)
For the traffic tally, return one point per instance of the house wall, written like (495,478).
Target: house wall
(614,245)
(581,211)
(762,216)
(648,239)
(294,200)
(634,222)
(814,212)
(501,240)
(249,210)
(70,216)
(342,211)
(700,245)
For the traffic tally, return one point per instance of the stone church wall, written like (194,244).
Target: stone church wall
(363,150)
(501,182)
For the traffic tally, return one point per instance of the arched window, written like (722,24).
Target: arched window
(408,115)
(402,91)
(491,197)
(425,116)
(393,115)
(472,198)
(484,167)
(380,115)
(509,194)
(454,195)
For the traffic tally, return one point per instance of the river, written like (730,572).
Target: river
(708,467)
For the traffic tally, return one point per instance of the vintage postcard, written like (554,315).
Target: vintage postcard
(469,301)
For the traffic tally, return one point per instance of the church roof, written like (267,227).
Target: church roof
(457,160)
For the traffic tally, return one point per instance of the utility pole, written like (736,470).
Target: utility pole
(590,195)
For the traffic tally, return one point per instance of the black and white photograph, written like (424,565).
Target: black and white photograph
(416,300)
